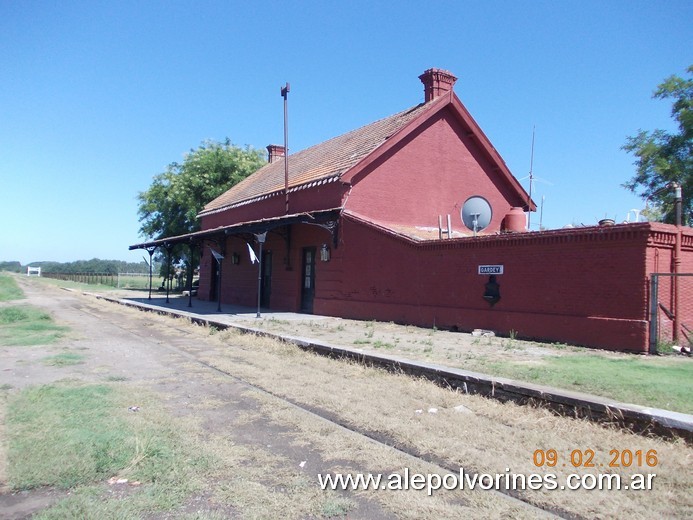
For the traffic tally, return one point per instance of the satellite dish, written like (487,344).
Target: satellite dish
(476,213)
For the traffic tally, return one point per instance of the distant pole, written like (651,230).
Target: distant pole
(541,214)
(285,95)
(531,178)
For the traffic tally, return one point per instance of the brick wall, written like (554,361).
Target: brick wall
(431,173)
(584,286)
(317,198)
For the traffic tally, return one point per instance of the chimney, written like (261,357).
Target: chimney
(275,152)
(436,83)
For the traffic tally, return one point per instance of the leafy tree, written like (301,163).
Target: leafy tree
(664,158)
(95,265)
(171,204)
(12,266)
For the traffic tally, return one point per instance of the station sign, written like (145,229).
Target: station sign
(491,269)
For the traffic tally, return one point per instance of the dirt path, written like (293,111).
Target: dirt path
(289,415)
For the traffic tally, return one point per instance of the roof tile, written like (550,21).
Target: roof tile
(326,160)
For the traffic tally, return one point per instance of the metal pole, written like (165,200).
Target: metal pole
(259,280)
(168,271)
(285,92)
(151,253)
(531,178)
(677,263)
(654,297)
(218,285)
(261,240)
(190,274)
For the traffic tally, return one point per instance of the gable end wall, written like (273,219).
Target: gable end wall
(431,172)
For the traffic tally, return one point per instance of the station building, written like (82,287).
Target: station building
(369,225)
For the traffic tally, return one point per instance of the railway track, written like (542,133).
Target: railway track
(326,416)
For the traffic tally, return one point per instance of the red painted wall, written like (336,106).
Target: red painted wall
(586,286)
(327,196)
(431,173)
(239,282)
(583,286)
(660,259)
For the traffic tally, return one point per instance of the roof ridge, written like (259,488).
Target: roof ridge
(327,159)
(361,128)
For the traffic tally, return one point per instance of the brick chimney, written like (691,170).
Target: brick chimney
(275,152)
(436,83)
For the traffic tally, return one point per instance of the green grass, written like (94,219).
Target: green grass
(116,379)
(76,437)
(23,325)
(9,290)
(86,443)
(337,507)
(75,285)
(127,283)
(63,360)
(648,381)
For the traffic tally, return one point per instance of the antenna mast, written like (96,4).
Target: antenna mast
(531,179)
(285,92)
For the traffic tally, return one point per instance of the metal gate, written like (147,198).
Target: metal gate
(663,310)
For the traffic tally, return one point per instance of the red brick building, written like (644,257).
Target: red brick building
(359,229)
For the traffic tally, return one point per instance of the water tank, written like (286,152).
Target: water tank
(514,221)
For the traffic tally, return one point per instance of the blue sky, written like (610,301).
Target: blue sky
(98,97)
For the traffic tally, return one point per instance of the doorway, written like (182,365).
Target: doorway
(266,279)
(214,280)
(308,280)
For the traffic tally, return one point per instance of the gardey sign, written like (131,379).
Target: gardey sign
(490,269)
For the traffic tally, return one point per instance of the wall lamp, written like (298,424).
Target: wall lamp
(235,259)
(325,253)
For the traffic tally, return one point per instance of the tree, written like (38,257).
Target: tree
(171,204)
(14,267)
(664,158)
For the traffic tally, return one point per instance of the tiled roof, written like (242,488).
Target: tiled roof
(321,163)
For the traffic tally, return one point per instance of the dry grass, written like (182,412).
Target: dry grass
(491,438)
(652,381)
(349,453)
(494,437)
(3,445)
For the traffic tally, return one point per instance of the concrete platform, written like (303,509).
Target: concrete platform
(638,418)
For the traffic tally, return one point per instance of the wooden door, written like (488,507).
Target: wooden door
(266,279)
(308,280)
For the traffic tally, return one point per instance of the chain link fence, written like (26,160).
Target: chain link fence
(663,309)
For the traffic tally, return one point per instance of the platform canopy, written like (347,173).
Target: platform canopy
(327,219)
